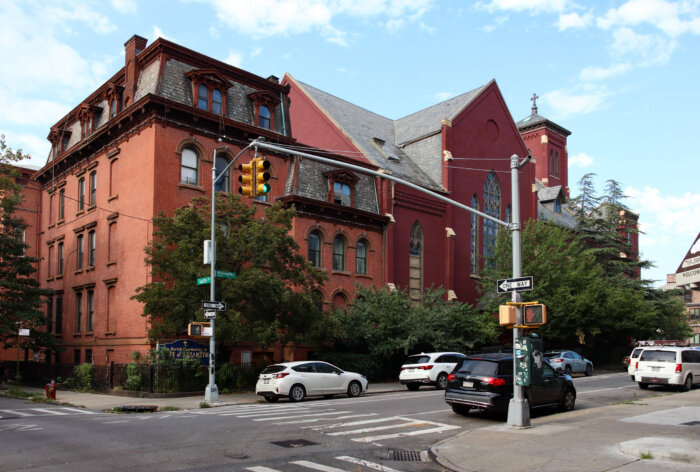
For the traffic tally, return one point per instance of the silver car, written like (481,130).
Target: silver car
(569,362)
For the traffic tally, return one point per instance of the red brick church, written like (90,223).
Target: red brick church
(143,143)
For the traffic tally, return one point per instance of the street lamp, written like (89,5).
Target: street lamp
(211,394)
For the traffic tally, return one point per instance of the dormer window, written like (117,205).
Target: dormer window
(342,187)
(264,104)
(114,98)
(113,109)
(59,140)
(557,206)
(209,90)
(88,120)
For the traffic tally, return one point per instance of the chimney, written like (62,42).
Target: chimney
(132,48)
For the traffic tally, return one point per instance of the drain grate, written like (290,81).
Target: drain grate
(294,443)
(408,456)
(691,423)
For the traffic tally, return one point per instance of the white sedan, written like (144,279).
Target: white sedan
(298,380)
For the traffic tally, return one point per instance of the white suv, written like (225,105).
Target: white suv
(668,366)
(429,369)
(632,364)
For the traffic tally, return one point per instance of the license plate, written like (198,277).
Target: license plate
(266,381)
(468,384)
(655,369)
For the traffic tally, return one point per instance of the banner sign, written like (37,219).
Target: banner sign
(188,348)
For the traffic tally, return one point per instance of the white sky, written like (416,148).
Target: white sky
(621,75)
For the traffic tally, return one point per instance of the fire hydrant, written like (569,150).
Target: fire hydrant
(51,390)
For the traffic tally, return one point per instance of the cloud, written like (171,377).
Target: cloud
(532,6)
(37,148)
(442,96)
(666,216)
(581,160)
(672,18)
(574,20)
(496,24)
(599,73)
(576,102)
(158,33)
(266,18)
(234,59)
(125,6)
(645,49)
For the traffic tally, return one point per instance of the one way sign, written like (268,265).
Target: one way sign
(520,284)
(220,306)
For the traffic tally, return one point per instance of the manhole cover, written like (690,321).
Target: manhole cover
(294,443)
(237,455)
(408,456)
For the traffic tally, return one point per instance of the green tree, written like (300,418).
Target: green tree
(20,293)
(270,299)
(388,326)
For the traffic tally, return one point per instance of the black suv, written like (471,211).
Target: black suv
(485,382)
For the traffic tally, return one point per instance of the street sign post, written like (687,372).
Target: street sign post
(213,305)
(210,315)
(519,284)
(204,280)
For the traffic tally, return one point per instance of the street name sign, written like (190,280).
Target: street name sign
(213,305)
(210,315)
(519,284)
(225,275)
(204,280)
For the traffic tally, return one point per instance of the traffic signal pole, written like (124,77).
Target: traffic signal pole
(518,408)
(211,393)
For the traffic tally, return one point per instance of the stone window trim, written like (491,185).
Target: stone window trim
(339,259)
(341,176)
(198,148)
(59,139)
(87,115)
(212,80)
(267,99)
(113,96)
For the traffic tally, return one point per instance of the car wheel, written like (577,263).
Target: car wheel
(297,393)
(354,389)
(589,370)
(568,401)
(441,383)
(567,370)
(643,385)
(412,387)
(688,384)
(460,409)
(271,398)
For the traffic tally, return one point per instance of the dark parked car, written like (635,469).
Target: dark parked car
(485,382)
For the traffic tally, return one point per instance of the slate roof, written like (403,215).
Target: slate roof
(534,120)
(380,139)
(545,206)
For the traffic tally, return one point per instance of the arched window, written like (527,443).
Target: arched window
(474,236)
(315,249)
(91,249)
(340,300)
(339,253)
(78,311)
(59,265)
(61,204)
(551,162)
(90,310)
(93,188)
(203,97)
(216,102)
(80,251)
(224,184)
(264,117)
(415,262)
(189,166)
(81,194)
(361,257)
(492,207)
(318,299)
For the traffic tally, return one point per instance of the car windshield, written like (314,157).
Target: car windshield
(478,367)
(417,359)
(637,352)
(273,369)
(658,356)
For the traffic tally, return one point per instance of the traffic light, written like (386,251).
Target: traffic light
(534,315)
(262,176)
(199,328)
(247,179)
(507,315)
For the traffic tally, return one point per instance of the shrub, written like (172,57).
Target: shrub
(133,377)
(84,376)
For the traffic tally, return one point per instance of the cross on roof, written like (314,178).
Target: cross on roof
(534,103)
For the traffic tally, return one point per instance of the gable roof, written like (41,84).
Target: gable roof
(382,140)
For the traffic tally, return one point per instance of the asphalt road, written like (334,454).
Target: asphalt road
(388,432)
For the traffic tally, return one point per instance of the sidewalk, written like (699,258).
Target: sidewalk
(102,402)
(665,430)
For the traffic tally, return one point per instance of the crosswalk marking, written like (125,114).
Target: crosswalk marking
(369,464)
(398,422)
(62,411)
(315,466)
(51,412)
(261,469)
(315,420)
(405,433)
(377,428)
(301,416)
(17,413)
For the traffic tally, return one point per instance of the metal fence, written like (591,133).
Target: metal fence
(170,377)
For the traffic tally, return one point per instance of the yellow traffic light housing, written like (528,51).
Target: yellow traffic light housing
(507,315)
(534,314)
(247,179)
(199,329)
(262,176)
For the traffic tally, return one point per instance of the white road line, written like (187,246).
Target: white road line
(114,422)
(261,469)
(315,466)
(377,428)
(51,412)
(606,389)
(276,411)
(314,420)
(300,416)
(17,413)
(410,433)
(369,464)
(77,410)
(352,423)
(432,412)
